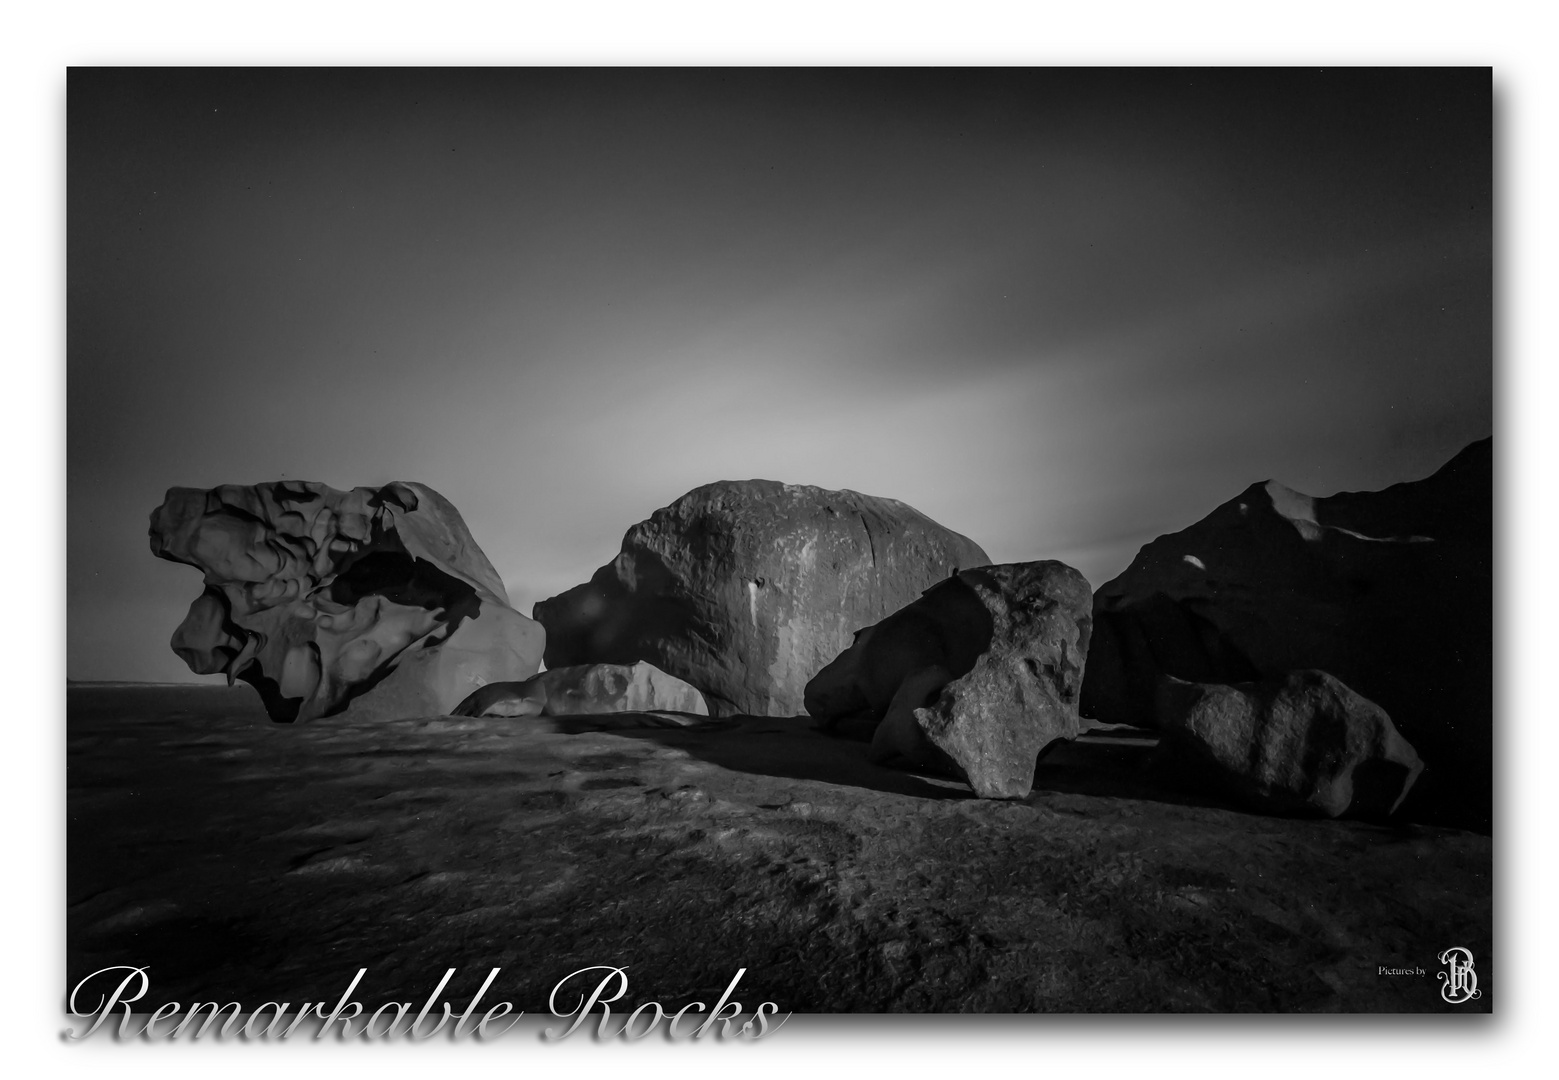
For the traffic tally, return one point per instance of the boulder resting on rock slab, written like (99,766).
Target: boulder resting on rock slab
(374,601)
(744,589)
(976,678)
(1390,591)
(587,689)
(1303,743)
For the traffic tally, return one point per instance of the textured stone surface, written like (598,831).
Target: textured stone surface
(1389,591)
(975,678)
(746,588)
(947,628)
(1021,695)
(248,863)
(1302,743)
(374,599)
(587,689)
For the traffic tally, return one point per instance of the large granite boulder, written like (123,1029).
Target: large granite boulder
(1389,591)
(746,588)
(374,600)
(976,678)
(1304,743)
(585,690)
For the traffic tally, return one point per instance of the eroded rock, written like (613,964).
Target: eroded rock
(374,599)
(744,589)
(1305,742)
(948,627)
(587,689)
(975,678)
(1389,591)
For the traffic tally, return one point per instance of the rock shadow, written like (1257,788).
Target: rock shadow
(1122,763)
(787,747)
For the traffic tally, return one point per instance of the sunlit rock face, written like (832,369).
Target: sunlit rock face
(375,600)
(587,690)
(976,678)
(745,589)
(1304,743)
(1389,591)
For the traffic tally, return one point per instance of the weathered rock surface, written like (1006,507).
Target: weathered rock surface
(587,689)
(243,862)
(374,599)
(1389,591)
(1302,743)
(976,677)
(746,588)
(948,627)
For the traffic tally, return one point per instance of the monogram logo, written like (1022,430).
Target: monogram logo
(1460,982)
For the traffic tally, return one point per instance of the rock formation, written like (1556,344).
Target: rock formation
(373,599)
(1389,591)
(585,690)
(746,588)
(976,678)
(1305,742)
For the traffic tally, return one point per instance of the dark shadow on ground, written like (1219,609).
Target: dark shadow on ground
(788,747)
(1113,765)
(244,860)
(1105,762)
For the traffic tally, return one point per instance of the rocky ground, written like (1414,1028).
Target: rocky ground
(250,861)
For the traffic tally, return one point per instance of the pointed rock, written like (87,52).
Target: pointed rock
(1390,591)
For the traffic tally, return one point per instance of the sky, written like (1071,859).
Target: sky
(1060,311)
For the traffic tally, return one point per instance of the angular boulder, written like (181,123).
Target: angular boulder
(375,601)
(1389,591)
(1303,743)
(587,689)
(744,589)
(976,678)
